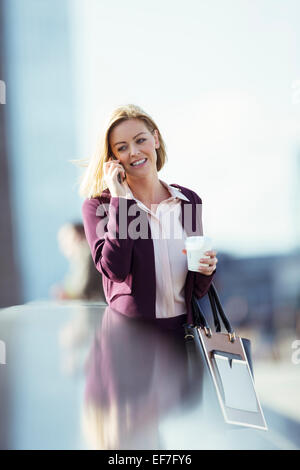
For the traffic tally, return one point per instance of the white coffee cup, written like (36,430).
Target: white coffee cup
(195,248)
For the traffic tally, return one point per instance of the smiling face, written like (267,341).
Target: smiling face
(131,142)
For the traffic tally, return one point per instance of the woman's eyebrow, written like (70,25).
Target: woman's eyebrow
(133,137)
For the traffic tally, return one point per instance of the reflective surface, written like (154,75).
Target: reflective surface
(82,376)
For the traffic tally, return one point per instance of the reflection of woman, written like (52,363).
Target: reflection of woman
(135,375)
(144,271)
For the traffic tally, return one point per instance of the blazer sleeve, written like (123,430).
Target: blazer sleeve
(202,282)
(106,230)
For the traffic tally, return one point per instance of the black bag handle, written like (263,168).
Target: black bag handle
(198,316)
(217,309)
(222,314)
(215,312)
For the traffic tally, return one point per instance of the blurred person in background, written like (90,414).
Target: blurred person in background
(82,280)
(142,276)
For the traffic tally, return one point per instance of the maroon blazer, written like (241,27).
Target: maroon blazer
(127,264)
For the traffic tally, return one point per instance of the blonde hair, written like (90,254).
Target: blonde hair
(91,181)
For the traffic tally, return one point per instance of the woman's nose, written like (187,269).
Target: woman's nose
(134,150)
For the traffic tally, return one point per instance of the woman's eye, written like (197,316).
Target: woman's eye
(139,141)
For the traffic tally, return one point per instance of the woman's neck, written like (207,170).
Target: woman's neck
(148,190)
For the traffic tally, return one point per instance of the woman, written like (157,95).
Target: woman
(143,267)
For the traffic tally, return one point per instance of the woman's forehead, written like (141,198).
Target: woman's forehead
(128,128)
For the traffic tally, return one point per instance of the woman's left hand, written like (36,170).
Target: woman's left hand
(211,262)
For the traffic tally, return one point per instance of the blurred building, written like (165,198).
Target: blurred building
(260,291)
(40,139)
(10,286)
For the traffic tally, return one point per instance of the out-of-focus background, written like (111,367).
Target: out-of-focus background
(222,80)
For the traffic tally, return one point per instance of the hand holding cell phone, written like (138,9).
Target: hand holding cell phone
(115,177)
(121,175)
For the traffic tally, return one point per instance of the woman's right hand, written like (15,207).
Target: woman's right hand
(111,169)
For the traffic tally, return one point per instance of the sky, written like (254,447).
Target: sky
(221,78)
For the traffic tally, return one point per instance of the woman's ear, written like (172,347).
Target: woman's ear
(156,138)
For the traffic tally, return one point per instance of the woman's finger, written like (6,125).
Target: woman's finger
(112,164)
(113,168)
(209,261)
(207,271)
(210,253)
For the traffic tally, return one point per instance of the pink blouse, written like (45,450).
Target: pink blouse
(170,263)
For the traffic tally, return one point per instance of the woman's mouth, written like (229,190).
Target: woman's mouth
(139,163)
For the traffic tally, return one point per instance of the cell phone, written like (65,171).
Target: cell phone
(120,179)
(119,174)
